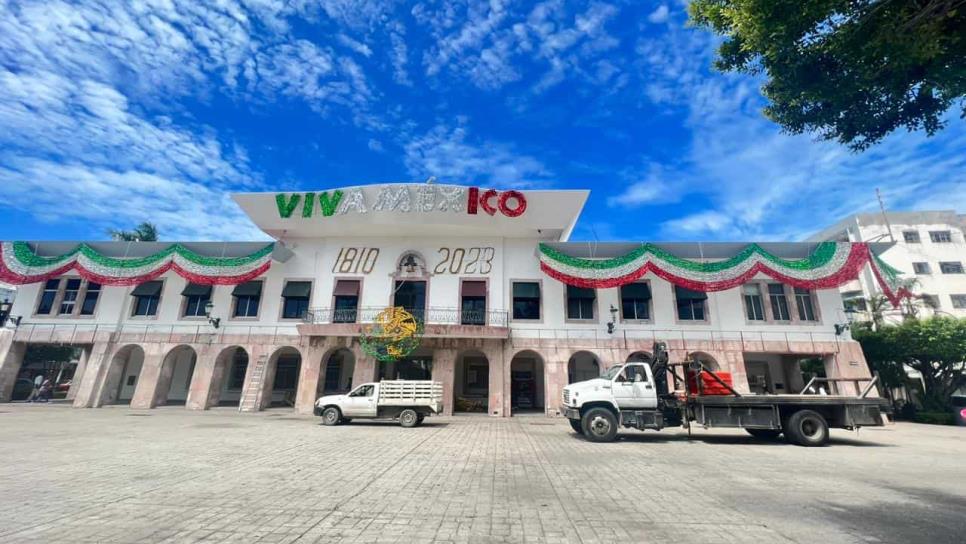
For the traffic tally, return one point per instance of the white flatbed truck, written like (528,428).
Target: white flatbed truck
(409,401)
(635,395)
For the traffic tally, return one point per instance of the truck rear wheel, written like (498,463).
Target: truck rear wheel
(331,416)
(408,418)
(576,426)
(764,434)
(807,428)
(599,425)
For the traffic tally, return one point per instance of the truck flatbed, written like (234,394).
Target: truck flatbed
(790,399)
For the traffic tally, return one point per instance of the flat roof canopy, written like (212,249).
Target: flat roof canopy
(412,209)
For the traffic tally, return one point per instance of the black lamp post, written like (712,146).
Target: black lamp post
(840,328)
(5,311)
(613,320)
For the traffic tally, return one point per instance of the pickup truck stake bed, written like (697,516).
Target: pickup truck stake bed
(409,401)
(635,395)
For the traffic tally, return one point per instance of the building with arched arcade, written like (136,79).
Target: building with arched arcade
(511,310)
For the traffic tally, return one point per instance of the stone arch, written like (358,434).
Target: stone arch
(123,374)
(471,389)
(177,371)
(281,379)
(640,357)
(707,360)
(337,370)
(583,365)
(228,377)
(528,382)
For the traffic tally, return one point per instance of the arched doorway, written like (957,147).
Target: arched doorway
(471,391)
(124,373)
(639,357)
(282,378)
(177,370)
(339,367)
(228,380)
(527,383)
(708,361)
(582,366)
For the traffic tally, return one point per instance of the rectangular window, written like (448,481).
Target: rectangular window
(411,295)
(754,306)
(856,305)
(295,299)
(146,298)
(779,302)
(636,301)
(473,303)
(911,236)
(941,236)
(921,268)
(959,301)
(90,298)
(951,267)
(196,298)
(69,300)
(931,301)
(247,297)
(580,302)
(690,304)
(526,300)
(346,301)
(47,298)
(806,307)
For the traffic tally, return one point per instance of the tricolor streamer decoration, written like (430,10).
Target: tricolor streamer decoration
(830,265)
(19,264)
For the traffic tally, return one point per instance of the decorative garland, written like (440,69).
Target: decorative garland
(19,264)
(394,334)
(830,265)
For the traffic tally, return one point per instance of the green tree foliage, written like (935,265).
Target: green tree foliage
(935,347)
(145,232)
(847,70)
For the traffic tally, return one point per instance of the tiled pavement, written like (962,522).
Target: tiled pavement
(169,475)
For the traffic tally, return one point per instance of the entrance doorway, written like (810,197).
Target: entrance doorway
(125,371)
(338,372)
(526,383)
(229,380)
(284,376)
(472,383)
(177,370)
(582,366)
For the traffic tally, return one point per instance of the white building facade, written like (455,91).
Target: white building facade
(929,250)
(510,310)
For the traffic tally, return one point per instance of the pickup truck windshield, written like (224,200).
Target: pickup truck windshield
(612,372)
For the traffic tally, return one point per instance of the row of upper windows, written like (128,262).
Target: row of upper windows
(74,296)
(935,236)
(945,267)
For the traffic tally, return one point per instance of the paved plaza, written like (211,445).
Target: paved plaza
(170,475)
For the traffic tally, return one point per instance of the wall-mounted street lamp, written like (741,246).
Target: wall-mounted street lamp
(5,316)
(613,320)
(840,328)
(214,321)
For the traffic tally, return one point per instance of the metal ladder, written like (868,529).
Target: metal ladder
(252,396)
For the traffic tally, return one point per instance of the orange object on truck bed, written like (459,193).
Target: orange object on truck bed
(709,385)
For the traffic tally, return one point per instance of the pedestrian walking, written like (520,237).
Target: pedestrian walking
(46,390)
(35,393)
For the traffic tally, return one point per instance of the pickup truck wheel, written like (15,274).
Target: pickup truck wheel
(599,425)
(575,425)
(331,416)
(408,418)
(807,428)
(764,434)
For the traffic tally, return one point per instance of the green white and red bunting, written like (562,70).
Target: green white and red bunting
(831,264)
(19,264)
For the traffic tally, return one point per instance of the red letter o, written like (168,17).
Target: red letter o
(520,207)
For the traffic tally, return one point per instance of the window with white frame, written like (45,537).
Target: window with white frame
(247,296)
(146,298)
(959,301)
(47,298)
(69,298)
(941,236)
(196,298)
(805,304)
(921,268)
(779,302)
(754,305)
(911,236)
(580,302)
(691,305)
(931,301)
(951,267)
(635,301)
(526,300)
(91,297)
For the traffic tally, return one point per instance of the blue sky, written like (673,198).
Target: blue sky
(111,115)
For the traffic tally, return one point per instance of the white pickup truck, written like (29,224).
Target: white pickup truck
(409,401)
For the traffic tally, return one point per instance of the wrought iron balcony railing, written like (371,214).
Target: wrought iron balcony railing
(427,316)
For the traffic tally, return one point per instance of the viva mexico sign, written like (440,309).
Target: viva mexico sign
(402,199)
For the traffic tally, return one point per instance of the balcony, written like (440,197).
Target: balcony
(437,322)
